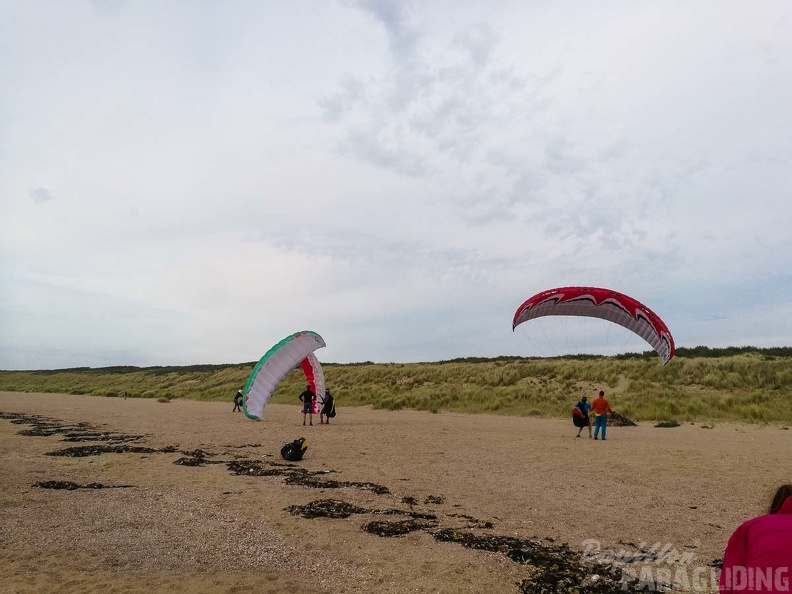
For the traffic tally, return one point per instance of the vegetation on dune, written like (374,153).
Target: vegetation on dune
(702,384)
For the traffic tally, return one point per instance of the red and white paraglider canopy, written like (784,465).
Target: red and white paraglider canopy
(605,304)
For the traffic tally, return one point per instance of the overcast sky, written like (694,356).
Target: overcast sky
(191,181)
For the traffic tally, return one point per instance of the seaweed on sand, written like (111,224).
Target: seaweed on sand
(390,528)
(559,568)
(335,508)
(74,432)
(71,486)
(326,508)
(473,522)
(96,450)
(296,475)
(258,468)
(306,480)
(74,436)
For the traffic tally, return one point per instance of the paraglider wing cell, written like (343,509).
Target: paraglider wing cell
(276,365)
(604,304)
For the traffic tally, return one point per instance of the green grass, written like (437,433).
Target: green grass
(745,385)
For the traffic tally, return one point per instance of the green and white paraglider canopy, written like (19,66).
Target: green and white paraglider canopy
(276,364)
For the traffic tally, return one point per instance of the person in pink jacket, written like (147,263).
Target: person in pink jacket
(758,556)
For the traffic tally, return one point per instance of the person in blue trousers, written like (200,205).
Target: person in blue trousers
(601,410)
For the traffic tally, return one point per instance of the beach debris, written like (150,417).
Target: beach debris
(106,436)
(72,432)
(299,476)
(71,486)
(335,508)
(96,450)
(401,512)
(475,522)
(22,418)
(190,461)
(519,550)
(559,569)
(41,431)
(258,468)
(196,453)
(558,566)
(388,528)
(435,499)
(305,480)
(667,424)
(617,420)
(326,508)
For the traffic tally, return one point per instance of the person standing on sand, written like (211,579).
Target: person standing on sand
(583,419)
(758,556)
(328,407)
(307,398)
(237,401)
(601,409)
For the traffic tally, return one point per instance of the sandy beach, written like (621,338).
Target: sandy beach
(162,526)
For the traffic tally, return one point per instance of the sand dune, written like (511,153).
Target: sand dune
(180,528)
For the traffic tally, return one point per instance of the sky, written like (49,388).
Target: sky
(191,181)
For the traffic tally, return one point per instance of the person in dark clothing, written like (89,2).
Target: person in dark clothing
(237,401)
(307,398)
(581,418)
(328,407)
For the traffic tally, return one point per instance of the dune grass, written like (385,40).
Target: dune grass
(749,385)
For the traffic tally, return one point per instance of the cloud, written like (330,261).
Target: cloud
(40,195)
(434,105)
(394,16)
(397,175)
(109,7)
(478,41)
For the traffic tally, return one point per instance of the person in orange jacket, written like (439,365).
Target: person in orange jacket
(601,410)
